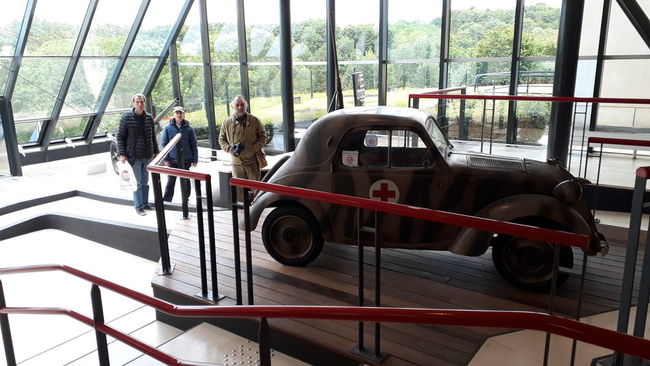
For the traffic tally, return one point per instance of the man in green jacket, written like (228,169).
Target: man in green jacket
(243,136)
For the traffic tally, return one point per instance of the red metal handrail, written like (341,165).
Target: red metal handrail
(617,141)
(619,342)
(480,223)
(532,98)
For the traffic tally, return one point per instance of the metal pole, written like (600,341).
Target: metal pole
(377,283)
(286,81)
(263,341)
(580,296)
(211,238)
(360,294)
(182,181)
(551,302)
(199,222)
(627,287)
(98,317)
(162,225)
(247,241)
(7,341)
(235,240)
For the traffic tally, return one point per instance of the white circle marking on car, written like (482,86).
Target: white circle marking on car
(384,190)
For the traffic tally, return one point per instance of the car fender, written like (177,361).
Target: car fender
(268,199)
(475,242)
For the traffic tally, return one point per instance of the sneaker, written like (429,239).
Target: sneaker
(141,211)
(147,207)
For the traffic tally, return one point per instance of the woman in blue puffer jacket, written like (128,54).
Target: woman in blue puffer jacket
(190,151)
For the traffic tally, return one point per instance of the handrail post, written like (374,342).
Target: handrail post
(629,269)
(211,237)
(167,268)
(551,303)
(377,284)
(247,241)
(264,344)
(7,341)
(184,191)
(463,133)
(361,342)
(199,223)
(98,317)
(235,241)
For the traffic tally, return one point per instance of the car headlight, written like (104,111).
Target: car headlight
(568,191)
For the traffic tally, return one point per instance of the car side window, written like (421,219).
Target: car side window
(384,148)
(408,150)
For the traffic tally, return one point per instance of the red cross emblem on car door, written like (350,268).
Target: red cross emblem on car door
(384,190)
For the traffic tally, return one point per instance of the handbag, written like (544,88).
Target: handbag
(261,159)
(126,176)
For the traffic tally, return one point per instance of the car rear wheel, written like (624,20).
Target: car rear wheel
(528,264)
(292,236)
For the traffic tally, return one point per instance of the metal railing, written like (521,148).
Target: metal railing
(575,100)
(167,267)
(618,342)
(518,230)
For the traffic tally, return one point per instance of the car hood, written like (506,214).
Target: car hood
(525,175)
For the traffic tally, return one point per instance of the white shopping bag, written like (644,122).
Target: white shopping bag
(127,178)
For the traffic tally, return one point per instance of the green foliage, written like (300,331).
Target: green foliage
(474,33)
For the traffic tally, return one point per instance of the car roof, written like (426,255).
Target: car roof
(323,137)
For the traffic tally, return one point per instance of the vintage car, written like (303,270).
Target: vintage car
(400,155)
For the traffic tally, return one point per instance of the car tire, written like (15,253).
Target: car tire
(528,264)
(292,236)
(114,156)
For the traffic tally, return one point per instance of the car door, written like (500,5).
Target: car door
(392,165)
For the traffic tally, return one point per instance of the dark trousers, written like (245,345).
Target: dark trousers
(171,182)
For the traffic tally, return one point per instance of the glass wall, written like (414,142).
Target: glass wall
(47,54)
(480,51)
(9,31)
(224,53)
(357,43)
(263,49)
(309,52)
(413,48)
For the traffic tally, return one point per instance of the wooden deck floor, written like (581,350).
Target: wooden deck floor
(421,279)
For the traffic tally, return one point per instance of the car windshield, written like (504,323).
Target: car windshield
(437,136)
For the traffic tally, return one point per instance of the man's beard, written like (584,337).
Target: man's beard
(239,114)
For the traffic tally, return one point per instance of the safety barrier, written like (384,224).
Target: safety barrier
(167,267)
(557,237)
(622,343)
(414,99)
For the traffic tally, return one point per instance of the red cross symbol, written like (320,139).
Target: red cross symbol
(383,193)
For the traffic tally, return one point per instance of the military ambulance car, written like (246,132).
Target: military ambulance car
(400,155)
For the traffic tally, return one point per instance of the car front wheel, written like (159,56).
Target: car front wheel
(528,264)
(292,236)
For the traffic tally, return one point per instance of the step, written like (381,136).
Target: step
(207,343)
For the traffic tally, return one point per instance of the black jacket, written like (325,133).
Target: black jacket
(131,143)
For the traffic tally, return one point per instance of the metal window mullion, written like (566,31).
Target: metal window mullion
(20,49)
(636,15)
(171,38)
(128,44)
(69,74)
(331,58)
(511,129)
(174,73)
(243,55)
(286,66)
(208,89)
(444,44)
(600,61)
(383,52)
(443,73)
